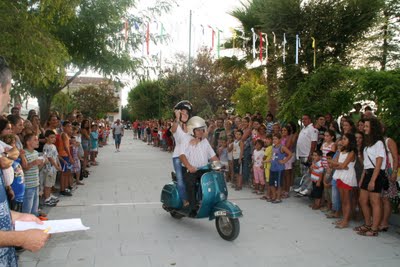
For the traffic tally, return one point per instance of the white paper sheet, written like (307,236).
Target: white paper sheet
(54,226)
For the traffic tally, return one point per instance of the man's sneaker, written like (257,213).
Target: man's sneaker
(297,190)
(54,198)
(49,202)
(304,192)
(66,193)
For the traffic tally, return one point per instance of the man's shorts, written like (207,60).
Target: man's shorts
(118,139)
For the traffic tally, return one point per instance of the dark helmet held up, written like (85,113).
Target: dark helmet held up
(185,104)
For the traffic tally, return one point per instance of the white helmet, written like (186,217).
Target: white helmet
(195,122)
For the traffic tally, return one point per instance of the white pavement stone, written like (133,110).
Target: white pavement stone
(120,202)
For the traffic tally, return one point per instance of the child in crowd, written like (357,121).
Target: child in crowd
(345,175)
(100,136)
(31,164)
(50,169)
(328,146)
(237,155)
(328,183)
(316,173)
(148,134)
(267,166)
(258,169)
(76,167)
(94,144)
(230,159)
(280,155)
(222,152)
(16,188)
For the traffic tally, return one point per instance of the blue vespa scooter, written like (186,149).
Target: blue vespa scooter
(212,200)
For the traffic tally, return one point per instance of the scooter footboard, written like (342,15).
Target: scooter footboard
(226,208)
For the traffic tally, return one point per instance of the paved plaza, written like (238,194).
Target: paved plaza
(121,204)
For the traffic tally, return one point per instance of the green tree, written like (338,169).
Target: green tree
(251,97)
(143,100)
(336,25)
(330,89)
(382,87)
(83,34)
(96,101)
(127,114)
(63,103)
(212,84)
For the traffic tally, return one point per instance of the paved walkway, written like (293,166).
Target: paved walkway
(120,202)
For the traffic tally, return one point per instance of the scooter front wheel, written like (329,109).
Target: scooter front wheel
(228,228)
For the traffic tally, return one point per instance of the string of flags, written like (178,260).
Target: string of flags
(144,30)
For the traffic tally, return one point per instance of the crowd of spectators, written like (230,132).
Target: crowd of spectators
(340,164)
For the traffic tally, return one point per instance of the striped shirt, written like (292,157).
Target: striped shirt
(316,171)
(32,175)
(198,155)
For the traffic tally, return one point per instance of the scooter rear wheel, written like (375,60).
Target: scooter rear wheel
(228,228)
(176,215)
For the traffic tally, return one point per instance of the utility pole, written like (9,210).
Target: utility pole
(190,55)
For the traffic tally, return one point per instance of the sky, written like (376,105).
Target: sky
(205,14)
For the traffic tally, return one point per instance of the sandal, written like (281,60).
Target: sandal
(362,228)
(384,229)
(341,226)
(370,232)
(263,198)
(332,216)
(276,201)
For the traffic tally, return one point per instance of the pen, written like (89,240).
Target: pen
(47,230)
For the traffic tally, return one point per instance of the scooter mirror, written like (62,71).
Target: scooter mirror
(216,165)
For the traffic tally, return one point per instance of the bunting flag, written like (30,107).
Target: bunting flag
(234,36)
(266,48)
(274,39)
(162,33)
(254,42)
(298,45)
(243,37)
(284,48)
(212,37)
(218,48)
(315,51)
(261,46)
(136,25)
(126,30)
(148,39)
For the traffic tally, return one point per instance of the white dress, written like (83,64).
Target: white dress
(348,176)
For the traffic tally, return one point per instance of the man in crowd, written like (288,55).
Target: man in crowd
(32,240)
(320,126)
(306,145)
(118,132)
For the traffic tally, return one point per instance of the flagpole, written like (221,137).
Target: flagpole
(190,54)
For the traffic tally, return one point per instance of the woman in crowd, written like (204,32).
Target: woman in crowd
(391,193)
(371,183)
(17,125)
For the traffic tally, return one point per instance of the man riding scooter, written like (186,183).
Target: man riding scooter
(195,156)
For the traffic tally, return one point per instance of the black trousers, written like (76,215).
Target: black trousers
(191,180)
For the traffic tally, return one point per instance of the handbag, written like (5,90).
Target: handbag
(384,174)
